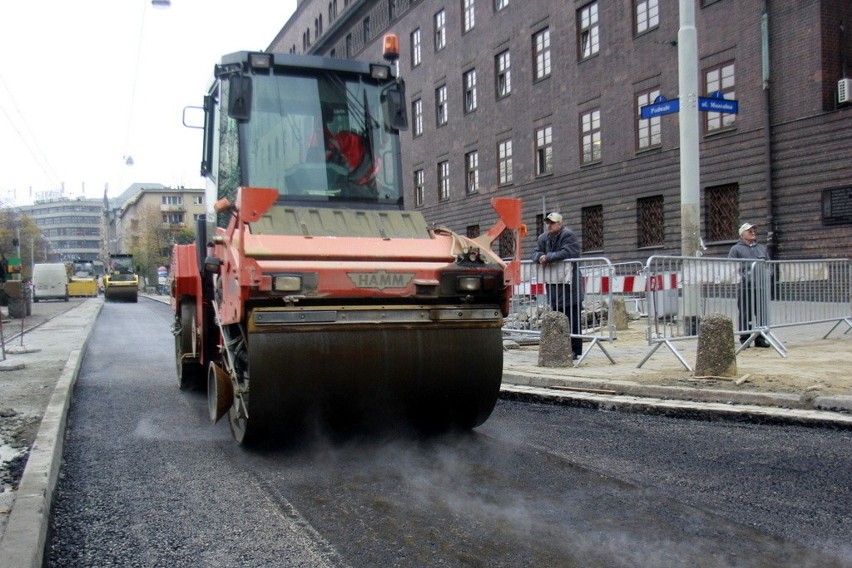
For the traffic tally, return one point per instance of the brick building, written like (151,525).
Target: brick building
(540,100)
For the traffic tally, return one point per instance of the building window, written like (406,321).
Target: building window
(392,11)
(648,130)
(593,234)
(440,30)
(589,34)
(590,137)
(415,48)
(198,200)
(720,79)
(365,24)
(418,188)
(647,13)
(172,200)
(504,74)
(544,151)
(173,218)
(441,105)
(722,212)
(506,244)
(417,115)
(472,231)
(469,80)
(471,165)
(443,180)
(500,5)
(541,51)
(468,16)
(651,227)
(504,162)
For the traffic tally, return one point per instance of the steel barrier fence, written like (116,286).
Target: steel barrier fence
(573,287)
(674,293)
(757,295)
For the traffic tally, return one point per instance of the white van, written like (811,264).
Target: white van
(50,281)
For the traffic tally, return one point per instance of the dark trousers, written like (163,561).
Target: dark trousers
(751,302)
(561,300)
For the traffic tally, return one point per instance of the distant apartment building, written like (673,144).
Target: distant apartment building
(149,210)
(542,100)
(71,227)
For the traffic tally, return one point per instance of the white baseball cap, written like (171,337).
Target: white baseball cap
(745,227)
(553,217)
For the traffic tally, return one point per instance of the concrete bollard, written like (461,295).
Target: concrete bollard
(554,348)
(618,313)
(716,352)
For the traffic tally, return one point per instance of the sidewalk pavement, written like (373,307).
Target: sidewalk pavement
(811,385)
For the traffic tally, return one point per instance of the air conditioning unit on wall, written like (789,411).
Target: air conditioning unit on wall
(844,91)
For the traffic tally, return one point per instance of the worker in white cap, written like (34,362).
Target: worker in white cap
(752,299)
(553,247)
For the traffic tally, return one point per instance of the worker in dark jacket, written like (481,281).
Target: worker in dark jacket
(564,283)
(752,298)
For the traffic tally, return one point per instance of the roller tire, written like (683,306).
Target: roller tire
(191,374)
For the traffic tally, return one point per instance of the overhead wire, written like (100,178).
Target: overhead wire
(28,139)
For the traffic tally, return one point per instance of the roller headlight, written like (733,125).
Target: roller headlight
(469,284)
(286,283)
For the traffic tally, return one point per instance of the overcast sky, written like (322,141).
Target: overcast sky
(85,83)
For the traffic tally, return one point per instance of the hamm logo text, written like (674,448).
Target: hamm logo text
(380,279)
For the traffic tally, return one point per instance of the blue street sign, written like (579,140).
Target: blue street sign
(660,107)
(717,103)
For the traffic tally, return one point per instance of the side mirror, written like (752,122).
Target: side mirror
(395,108)
(239,97)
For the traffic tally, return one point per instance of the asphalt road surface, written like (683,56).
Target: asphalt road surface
(148,481)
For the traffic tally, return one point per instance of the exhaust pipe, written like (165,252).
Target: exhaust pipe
(220,392)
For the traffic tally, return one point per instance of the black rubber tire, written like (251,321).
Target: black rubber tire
(191,374)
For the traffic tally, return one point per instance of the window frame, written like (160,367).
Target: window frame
(725,121)
(439,21)
(443,180)
(503,74)
(651,125)
(590,137)
(542,64)
(469,84)
(471,168)
(468,15)
(650,19)
(588,31)
(544,150)
(588,235)
(441,108)
(416,48)
(650,206)
(419,187)
(714,221)
(417,117)
(505,166)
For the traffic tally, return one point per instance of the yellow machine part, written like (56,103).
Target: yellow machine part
(86,287)
(126,291)
(431,375)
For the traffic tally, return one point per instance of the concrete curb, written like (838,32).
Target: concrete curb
(680,408)
(25,536)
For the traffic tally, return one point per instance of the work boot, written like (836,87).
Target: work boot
(743,339)
(761,342)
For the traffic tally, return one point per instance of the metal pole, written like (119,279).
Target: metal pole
(687,50)
(690,220)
